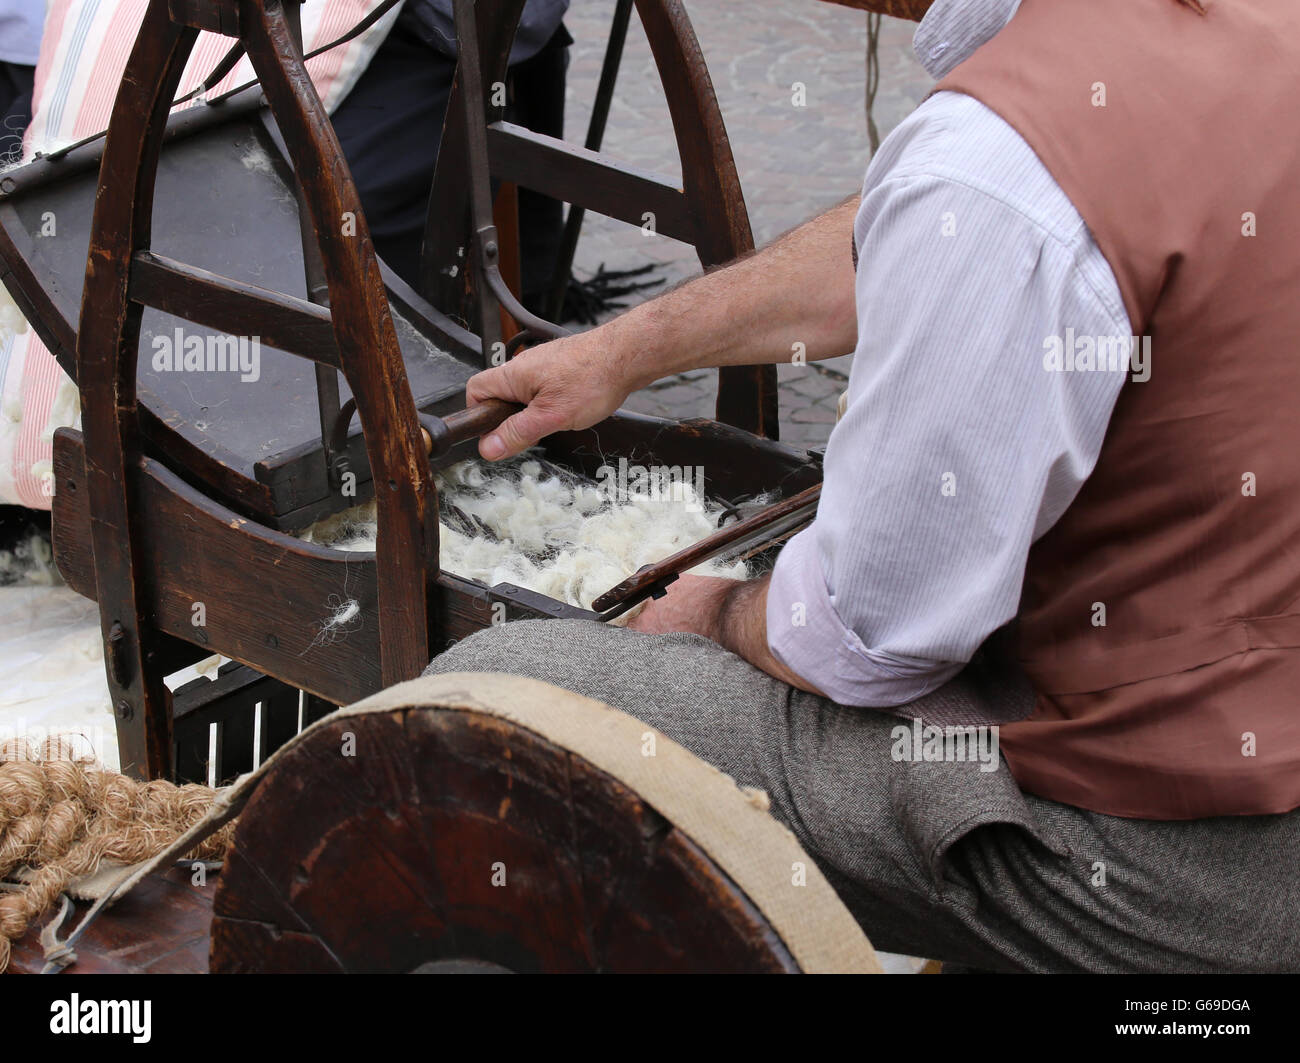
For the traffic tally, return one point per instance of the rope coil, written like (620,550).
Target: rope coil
(61,819)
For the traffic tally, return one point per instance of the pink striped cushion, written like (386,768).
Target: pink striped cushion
(83,55)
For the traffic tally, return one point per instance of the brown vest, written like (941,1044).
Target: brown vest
(1186,703)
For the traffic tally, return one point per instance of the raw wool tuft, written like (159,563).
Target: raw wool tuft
(344,614)
(62,821)
(539,527)
(342,619)
(12,322)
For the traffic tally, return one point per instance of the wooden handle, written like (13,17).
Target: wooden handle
(765,525)
(443,433)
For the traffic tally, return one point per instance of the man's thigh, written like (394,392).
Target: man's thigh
(389,127)
(828,771)
(936,858)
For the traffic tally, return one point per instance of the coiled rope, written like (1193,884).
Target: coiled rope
(61,819)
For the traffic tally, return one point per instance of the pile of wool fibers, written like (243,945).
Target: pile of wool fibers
(543,528)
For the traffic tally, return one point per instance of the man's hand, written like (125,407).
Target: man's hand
(796,295)
(732,613)
(566,384)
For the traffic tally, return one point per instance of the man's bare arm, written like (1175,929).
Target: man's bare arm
(798,290)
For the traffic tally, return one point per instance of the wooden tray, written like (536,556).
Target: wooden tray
(225,203)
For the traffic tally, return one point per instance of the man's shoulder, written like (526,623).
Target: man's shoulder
(954,139)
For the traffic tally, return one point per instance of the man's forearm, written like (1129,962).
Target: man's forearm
(733,613)
(740,625)
(795,296)
(794,299)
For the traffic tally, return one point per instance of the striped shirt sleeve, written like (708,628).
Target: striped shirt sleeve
(959,446)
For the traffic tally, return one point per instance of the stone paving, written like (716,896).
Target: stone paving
(794,160)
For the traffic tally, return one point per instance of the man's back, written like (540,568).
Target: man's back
(1161,616)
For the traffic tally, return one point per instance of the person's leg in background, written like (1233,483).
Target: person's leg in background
(390,126)
(22,23)
(537,103)
(16,81)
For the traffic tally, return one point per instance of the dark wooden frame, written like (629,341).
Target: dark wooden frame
(288,489)
(150,542)
(122,278)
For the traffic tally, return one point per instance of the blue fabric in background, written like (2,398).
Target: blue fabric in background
(433,21)
(21,23)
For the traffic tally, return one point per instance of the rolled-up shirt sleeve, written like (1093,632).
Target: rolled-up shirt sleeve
(959,445)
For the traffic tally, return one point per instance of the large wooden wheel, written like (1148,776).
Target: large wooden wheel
(485,822)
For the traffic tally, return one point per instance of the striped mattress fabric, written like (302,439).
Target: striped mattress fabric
(83,54)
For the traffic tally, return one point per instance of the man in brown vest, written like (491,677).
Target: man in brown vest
(1071,431)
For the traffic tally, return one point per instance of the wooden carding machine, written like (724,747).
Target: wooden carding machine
(175,502)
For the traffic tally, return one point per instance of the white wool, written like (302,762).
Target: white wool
(66,408)
(342,619)
(546,532)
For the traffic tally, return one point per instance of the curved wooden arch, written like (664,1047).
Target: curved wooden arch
(108,337)
(714,218)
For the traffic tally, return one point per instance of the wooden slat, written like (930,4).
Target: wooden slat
(264,594)
(218,302)
(314,708)
(190,737)
(161,927)
(369,352)
(556,168)
(279,718)
(108,333)
(17,252)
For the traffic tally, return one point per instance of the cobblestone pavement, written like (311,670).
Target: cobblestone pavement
(794,161)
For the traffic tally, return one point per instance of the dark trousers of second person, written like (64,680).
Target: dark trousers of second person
(16,81)
(390,126)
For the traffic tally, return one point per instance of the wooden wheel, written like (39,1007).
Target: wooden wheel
(452,825)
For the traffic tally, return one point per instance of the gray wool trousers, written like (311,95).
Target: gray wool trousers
(939,858)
